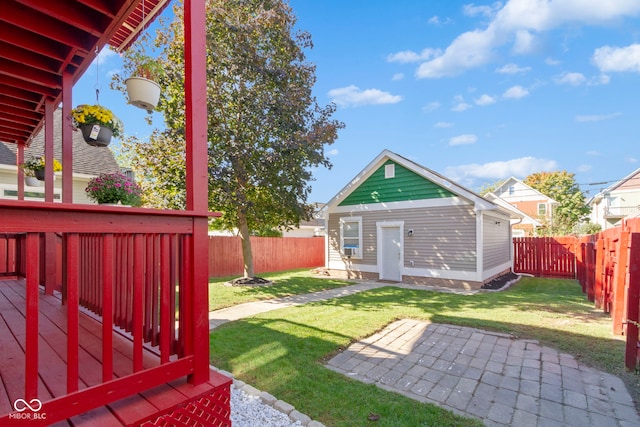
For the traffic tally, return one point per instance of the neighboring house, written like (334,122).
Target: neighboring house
(518,225)
(537,208)
(400,221)
(313,228)
(88,162)
(617,202)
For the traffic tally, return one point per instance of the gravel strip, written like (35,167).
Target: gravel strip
(250,411)
(251,407)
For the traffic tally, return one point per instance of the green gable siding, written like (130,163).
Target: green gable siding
(405,186)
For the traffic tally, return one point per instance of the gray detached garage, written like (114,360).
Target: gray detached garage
(399,221)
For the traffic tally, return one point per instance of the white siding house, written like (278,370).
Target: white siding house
(399,221)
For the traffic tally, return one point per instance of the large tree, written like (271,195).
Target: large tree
(562,187)
(266,131)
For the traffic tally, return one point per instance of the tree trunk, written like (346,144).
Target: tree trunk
(247,253)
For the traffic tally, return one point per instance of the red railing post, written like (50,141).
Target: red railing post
(107,307)
(32,314)
(633,306)
(138,309)
(73,301)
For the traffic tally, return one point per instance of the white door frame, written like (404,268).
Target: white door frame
(380,243)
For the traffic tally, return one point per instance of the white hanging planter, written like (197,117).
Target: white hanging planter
(143,93)
(32,181)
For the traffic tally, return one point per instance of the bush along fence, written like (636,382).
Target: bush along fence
(607,266)
(269,254)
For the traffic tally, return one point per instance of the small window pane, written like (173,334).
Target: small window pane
(350,229)
(389,171)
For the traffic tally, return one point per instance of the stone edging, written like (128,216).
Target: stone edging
(279,405)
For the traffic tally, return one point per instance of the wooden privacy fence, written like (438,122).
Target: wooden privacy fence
(606,264)
(269,254)
(545,256)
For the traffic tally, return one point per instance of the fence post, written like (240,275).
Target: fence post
(590,268)
(619,280)
(599,272)
(633,307)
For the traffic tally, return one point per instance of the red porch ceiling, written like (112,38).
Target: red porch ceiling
(40,40)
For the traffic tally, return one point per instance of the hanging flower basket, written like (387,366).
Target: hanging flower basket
(96,135)
(32,181)
(97,124)
(142,87)
(34,168)
(143,93)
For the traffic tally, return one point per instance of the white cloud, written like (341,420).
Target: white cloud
(519,22)
(584,168)
(578,79)
(502,169)
(397,76)
(407,56)
(524,43)
(593,153)
(105,55)
(435,20)
(355,97)
(617,59)
(597,118)
(488,11)
(463,139)
(573,79)
(515,92)
(443,125)
(461,106)
(551,61)
(512,69)
(631,160)
(432,106)
(485,100)
(469,50)
(332,153)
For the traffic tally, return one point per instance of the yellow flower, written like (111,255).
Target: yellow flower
(96,114)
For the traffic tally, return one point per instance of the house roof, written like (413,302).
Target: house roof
(508,206)
(479,202)
(86,159)
(40,41)
(635,176)
(512,180)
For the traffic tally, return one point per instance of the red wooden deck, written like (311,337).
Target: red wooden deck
(174,398)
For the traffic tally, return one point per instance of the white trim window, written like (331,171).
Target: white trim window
(542,209)
(351,237)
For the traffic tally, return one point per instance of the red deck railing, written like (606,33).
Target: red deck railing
(12,255)
(126,265)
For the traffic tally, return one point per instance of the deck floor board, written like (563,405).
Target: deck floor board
(52,347)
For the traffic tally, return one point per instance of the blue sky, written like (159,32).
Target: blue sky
(477,92)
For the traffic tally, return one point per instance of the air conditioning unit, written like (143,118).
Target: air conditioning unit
(350,251)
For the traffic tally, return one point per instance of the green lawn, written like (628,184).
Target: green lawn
(282,351)
(285,283)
